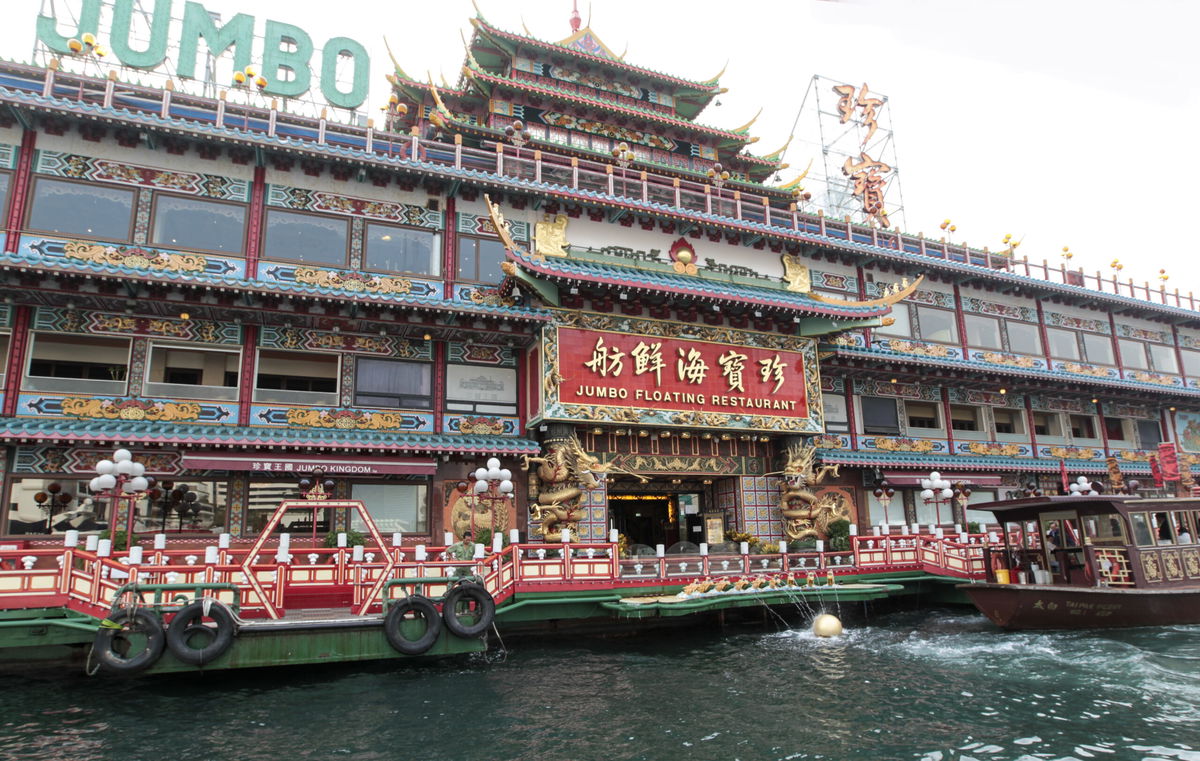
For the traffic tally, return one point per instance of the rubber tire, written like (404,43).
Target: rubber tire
(183,626)
(483,601)
(115,663)
(425,608)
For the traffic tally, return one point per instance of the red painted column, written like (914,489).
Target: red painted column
(949,422)
(1045,336)
(1103,431)
(962,322)
(1112,326)
(246,375)
(450,247)
(439,385)
(18,192)
(1029,425)
(18,348)
(851,412)
(862,296)
(254,226)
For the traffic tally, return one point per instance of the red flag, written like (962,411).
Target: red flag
(1169,461)
(1155,471)
(1062,473)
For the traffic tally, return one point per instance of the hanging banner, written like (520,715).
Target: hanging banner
(1168,461)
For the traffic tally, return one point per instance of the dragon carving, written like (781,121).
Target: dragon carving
(805,515)
(558,482)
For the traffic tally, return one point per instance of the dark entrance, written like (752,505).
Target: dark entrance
(661,513)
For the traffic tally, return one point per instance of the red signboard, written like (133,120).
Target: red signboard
(1168,461)
(652,372)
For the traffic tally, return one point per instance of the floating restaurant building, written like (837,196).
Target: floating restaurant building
(552,262)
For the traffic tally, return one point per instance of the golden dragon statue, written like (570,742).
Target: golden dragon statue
(805,515)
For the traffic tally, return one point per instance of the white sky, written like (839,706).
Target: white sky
(1066,122)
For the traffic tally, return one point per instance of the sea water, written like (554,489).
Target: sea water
(934,685)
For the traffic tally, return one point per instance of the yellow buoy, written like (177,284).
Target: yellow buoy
(826,625)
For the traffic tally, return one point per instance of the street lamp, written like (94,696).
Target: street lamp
(936,490)
(517,133)
(1083,487)
(884,493)
(492,484)
(121,478)
(718,175)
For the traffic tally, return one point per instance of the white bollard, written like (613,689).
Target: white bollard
(104,548)
(210,556)
(341,540)
(397,539)
(497,542)
(514,536)
(160,541)
(419,554)
(448,538)
(744,548)
(71,538)
(614,536)
(853,529)
(356,554)
(660,550)
(820,545)
(703,548)
(135,555)
(223,541)
(566,536)
(91,543)
(479,551)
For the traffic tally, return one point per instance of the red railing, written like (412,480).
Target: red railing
(739,201)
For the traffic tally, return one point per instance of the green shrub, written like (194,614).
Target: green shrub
(352,538)
(118,540)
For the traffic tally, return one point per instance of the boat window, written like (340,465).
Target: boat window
(1164,531)
(1142,535)
(1104,529)
(1182,522)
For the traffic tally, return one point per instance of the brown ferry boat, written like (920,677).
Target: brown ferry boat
(1089,562)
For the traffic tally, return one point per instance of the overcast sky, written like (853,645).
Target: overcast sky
(1063,122)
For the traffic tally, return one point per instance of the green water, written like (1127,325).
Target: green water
(927,685)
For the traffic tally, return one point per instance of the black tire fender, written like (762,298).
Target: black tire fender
(188,622)
(422,607)
(114,662)
(484,605)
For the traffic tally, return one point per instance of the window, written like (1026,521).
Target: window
(921,415)
(194,223)
(1063,343)
(477,388)
(1047,424)
(964,418)
(265,496)
(1009,421)
(937,325)
(393,383)
(1024,338)
(902,325)
(1098,348)
(1083,426)
(1142,534)
(982,332)
(73,363)
(1191,362)
(1133,354)
(879,415)
(3,195)
(1149,434)
(88,210)
(479,259)
(402,249)
(1163,358)
(55,505)
(307,238)
(1114,428)
(208,373)
(836,419)
(187,507)
(394,507)
(296,378)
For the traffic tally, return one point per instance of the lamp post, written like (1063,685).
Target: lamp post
(884,493)
(936,490)
(493,484)
(624,157)
(962,495)
(121,478)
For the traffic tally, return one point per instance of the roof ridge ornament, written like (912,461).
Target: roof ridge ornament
(892,294)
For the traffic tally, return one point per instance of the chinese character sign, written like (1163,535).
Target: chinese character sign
(653,372)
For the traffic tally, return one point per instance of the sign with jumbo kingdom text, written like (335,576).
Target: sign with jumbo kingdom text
(285,55)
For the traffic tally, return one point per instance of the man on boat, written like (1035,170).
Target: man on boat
(464,549)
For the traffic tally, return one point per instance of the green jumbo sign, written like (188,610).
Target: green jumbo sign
(285,59)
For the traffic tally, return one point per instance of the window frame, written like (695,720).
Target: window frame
(1141,346)
(975,418)
(400,397)
(937,416)
(203,199)
(1139,425)
(968,316)
(459,406)
(215,393)
(1078,344)
(1111,361)
(436,252)
(307,400)
(99,390)
(954,340)
(1018,420)
(1051,417)
(5,196)
(1093,423)
(889,332)
(266,229)
(1037,332)
(880,430)
(32,197)
(1150,346)
(423,511)
(458,256)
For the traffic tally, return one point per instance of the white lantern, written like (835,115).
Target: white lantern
(139,483)
(125,468)
(506,486)
(1082,481)
(493,464)
(493,474)
(94,484)
(138,469)
(481,487)
(505,474)
(926,483)
(481,474)
(127,488)
(122,455)
(104,466)
(947,493)
(935,476)
(927,494)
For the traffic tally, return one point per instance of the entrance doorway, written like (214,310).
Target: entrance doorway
(660,513)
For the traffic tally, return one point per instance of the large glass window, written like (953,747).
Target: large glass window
(402,249)
(901,325)
(477,388)
(195,223)
(206,373)
(393,383)
(186,506)
(982,332)
(1063,343)
(1083,426)
(4,176)
(88,210)
(308,238)
(73,363)
(1024,338)
(1133,354)
(1191,362)
(393,507)
(1098,349)
(265,496)
(55,505)
(479,259)
(937,325)
(288,377)
(879,415)
(1163,358)
(922,415)
(1149,434)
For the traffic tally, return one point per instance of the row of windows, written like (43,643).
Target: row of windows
(105,212)
(982,332)
(60,363)
(881,415)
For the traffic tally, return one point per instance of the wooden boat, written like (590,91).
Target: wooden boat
(1089,562)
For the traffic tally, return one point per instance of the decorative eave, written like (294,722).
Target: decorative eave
(877,355)
(60,430)
(923,461)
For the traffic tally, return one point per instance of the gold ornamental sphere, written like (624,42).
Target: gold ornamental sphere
(826,625)
(75,45)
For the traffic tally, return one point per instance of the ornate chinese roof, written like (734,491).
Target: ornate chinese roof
(924,461)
